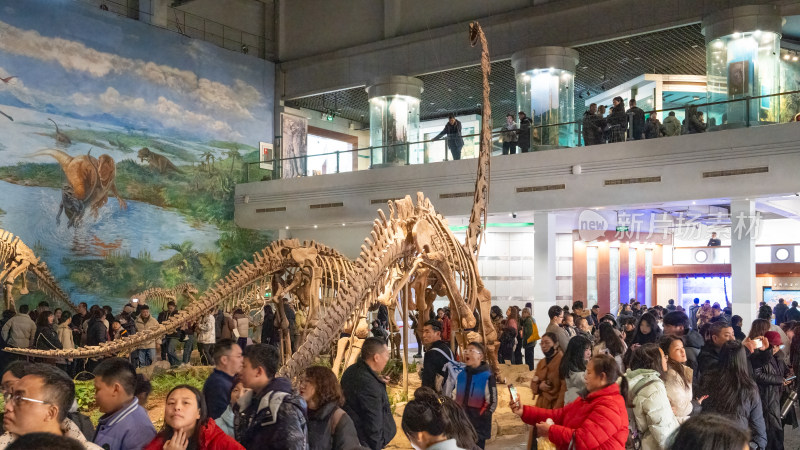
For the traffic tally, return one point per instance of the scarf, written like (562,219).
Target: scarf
(548,356)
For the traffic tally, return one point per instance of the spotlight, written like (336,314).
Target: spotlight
(245,49)
(513,215)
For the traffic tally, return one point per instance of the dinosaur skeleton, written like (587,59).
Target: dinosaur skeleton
(17,259)
(159,297)
(411,249)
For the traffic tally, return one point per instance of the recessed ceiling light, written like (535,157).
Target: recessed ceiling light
(316,226)
(287,227)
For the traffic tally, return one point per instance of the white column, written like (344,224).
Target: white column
(743,261)
(544,266)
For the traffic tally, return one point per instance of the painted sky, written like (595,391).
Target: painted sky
(73,60)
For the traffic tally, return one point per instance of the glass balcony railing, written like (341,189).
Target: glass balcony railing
(700,118)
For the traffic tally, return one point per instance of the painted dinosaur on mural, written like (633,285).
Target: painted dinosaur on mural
(18,260)
(411,249)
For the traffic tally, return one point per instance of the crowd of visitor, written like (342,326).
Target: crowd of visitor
(649,378)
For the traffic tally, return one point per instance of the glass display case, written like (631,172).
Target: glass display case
(547,97)
(741,65)
(394,123)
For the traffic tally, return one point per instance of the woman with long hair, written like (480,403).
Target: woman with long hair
(770,379)
(46,337)
(610,343)
(597,419)
(652,411)
(546,382)
(432,421)
(710,432)
(64,332)
(733,393)
(573,367)
(476,391)
(187,425)
(758,328)
(329,427)
(647,330)
(678,379)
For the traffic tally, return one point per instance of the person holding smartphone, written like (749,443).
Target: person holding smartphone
(597,419)
(771,380)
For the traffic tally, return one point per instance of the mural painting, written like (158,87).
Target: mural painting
(120,146)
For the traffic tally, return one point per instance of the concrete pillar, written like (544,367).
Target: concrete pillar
(544,265)
(743,261)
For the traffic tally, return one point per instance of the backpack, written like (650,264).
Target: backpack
(634,434)
(453,368)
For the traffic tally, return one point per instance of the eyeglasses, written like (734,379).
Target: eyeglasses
(470,350)
(16,398)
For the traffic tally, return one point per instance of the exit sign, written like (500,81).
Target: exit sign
(623,228)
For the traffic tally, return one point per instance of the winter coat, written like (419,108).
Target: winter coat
(592,133)
(47,338)
(211,438)
(509,132)
(524,133)
(268,327)
(680,394)
(344,436)
(780,313)
(527,331)
(242,323)
(273,419)
(694,125)
(749,415)
(142,326)
(433,372)
(453,132)
(672,126)
(598,420)
(217,392)
(792,314)
(572,385)
(476,393)
(128,428)
(128,323)
(97,332)
(206,332)
(164,316)
(637,121)
(19,331)
(551,397)
(651,408)
(227,328)
(653,129)
(367,403)
(65,336)
(618,118)
(769,378)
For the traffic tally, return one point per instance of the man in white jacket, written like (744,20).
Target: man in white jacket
(20,330)
(206,337)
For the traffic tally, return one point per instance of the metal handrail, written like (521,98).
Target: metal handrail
(496,131)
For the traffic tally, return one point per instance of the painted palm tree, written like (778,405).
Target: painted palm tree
(233,154)
(208,156)
(186,259)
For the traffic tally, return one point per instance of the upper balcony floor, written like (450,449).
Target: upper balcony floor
(735,163)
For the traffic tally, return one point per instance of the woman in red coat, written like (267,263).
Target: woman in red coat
(187,425)
(598,419)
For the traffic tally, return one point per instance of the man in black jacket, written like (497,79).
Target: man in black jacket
(437,355)
(365,397)
(592,132)
(170,339)
(793,313)
(780,312)
(454,140)
(524,138)
(637,120)
(273,418)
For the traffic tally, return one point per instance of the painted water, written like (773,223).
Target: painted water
(30,213)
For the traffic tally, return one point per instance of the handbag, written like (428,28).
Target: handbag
(236,328)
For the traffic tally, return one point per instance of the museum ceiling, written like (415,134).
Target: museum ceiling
(675,51)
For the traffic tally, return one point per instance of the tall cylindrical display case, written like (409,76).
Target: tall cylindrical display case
(743,60)
(545,93)
(393,119)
